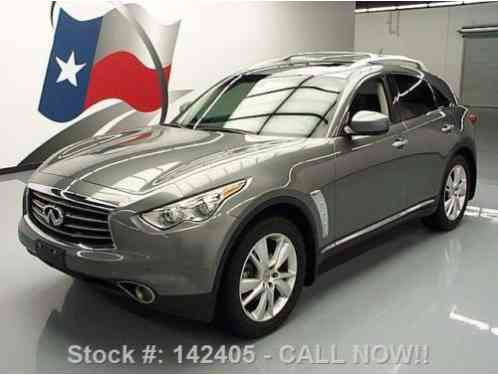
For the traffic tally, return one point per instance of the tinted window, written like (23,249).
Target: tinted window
(414,98)
(441,99)
(370,96)
(265,104)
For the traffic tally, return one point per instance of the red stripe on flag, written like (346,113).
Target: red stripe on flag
(122,76)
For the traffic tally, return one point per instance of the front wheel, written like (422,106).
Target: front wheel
(264,278)
(454,196)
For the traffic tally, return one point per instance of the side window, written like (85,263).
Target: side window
(414,98)
(441,99)
(370,96)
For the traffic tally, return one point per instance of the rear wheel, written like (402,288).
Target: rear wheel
(454,196)
(264,278)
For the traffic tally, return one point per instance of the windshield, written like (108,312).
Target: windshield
(265,104)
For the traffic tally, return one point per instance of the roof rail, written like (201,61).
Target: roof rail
(393,59)
(363,59)
(315,56)
(324,55)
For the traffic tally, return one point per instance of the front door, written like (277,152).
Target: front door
(369,185)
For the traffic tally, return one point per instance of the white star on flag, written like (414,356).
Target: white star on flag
(69,69)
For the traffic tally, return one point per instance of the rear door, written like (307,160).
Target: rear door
(430,132)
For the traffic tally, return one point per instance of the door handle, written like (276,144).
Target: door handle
(400,142)
(447,128)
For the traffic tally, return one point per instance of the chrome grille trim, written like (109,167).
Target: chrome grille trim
(84,227)
(83,218)
(85,224)
(60,231)
(66,204)
(72,197)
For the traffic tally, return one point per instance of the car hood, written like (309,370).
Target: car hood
(141,160)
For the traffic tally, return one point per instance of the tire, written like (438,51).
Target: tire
(254,320)
(441,220)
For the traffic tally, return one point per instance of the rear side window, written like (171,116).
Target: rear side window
(441,99)
(414,98)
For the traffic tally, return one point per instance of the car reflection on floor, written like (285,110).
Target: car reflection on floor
(402,289)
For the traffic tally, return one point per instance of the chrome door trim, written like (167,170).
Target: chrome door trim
(377,225)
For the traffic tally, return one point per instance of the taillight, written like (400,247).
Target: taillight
(472,118)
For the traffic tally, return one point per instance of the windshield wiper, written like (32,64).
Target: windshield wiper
(226,130)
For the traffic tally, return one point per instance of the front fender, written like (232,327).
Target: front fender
(249,210)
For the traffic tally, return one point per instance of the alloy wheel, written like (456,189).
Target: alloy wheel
(455,192)
(268,277)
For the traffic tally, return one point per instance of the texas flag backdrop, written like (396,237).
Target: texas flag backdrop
(105,58)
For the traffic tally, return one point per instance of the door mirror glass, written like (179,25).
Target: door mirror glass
(368,123)
(185,106)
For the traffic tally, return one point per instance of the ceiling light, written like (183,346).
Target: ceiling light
(412,6)
(381,9)
(434,4)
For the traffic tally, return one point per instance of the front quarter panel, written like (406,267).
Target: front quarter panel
(292,179)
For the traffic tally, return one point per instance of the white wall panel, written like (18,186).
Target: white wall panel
(430,35)
(216,39)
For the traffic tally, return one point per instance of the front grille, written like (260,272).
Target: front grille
(82,224)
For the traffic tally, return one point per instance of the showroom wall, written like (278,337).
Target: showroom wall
(213,39)
(437,43)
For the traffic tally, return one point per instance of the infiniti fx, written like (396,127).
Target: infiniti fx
(240,201)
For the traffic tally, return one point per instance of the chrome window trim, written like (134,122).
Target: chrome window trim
(441,113)
(462,120)
(377,225)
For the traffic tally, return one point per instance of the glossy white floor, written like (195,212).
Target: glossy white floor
(413,286)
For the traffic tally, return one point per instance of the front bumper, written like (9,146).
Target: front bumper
(180,267)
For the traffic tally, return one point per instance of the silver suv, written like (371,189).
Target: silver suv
(255,186)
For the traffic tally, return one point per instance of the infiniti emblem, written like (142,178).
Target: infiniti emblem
(53,215)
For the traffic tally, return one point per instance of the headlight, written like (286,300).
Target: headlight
(195,209)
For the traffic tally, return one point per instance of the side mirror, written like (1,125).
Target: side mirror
(185,106)
(368,123)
